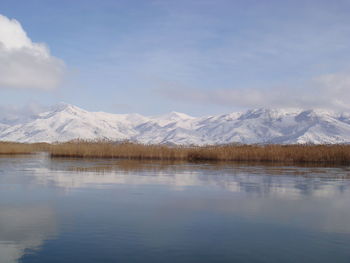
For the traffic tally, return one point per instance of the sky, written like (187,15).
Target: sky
(200,57)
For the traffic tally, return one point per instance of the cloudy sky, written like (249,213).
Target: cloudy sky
(195,56)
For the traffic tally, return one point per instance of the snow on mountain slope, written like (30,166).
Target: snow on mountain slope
(66,122)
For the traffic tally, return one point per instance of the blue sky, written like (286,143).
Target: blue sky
(199,57)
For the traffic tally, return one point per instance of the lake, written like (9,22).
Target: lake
(76,210)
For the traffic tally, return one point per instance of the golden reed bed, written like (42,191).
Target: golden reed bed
(330,154)
(22,148)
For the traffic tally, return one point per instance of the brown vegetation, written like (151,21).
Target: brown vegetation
(22,148)
(330,154)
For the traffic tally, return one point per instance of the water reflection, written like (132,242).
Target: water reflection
(255,180)
(24,227)
(48,203)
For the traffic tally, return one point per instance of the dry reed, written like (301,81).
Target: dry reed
(321,154)
(331,154)
(22,148)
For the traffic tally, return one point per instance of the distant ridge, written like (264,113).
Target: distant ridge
(64,122)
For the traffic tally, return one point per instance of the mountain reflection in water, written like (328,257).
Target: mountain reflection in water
(54,209)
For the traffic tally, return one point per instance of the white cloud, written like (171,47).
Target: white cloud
(24,228)
(330,91)
(12,114)
(23,63)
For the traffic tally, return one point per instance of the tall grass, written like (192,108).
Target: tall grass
(22,148)
(107,149)
(332,154)
(328,154)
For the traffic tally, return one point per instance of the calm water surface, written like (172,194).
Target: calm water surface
(66,210)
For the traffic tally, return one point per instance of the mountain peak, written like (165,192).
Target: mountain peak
(269,113)
(179,115)
(66,122)
(62,106)
(173,116)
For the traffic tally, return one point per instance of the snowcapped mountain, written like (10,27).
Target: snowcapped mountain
(65,122)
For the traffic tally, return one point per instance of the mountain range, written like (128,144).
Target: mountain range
(65,122)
